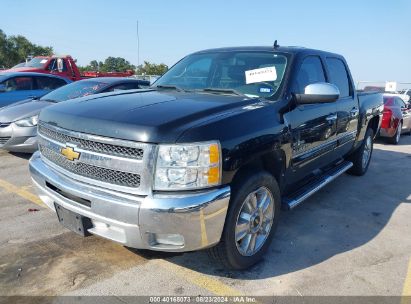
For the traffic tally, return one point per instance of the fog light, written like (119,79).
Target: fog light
(168,239)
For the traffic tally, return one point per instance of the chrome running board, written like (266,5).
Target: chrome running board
(305,192)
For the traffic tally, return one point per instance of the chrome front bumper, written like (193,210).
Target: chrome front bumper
(164,222)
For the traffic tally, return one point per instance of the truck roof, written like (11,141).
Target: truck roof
(285,49)
(52,56)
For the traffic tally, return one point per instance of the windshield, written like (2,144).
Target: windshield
(23,64)
(36,63)
(255,74)
(74,90)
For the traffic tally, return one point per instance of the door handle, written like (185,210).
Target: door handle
(354,112)
(331,117)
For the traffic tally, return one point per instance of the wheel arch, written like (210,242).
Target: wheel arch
(374,124)
(273,162)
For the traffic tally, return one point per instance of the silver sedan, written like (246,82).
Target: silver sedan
(18,126)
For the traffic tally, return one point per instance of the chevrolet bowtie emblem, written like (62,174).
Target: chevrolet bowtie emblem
(70,154)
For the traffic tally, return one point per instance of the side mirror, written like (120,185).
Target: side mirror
(3,88)
(320,92)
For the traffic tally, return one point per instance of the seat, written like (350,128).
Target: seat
(236,73)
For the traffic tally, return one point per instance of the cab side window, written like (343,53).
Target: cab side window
(61,65)
(52,65)
(339,76)
(311,71)
(57,65)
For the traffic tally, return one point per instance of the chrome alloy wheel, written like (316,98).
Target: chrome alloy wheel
(254,221)
(367,152)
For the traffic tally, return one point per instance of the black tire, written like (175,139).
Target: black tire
(395,140)
(359,168)
(226,252)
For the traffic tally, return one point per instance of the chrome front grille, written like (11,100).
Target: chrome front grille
(120,165)
(3,140)
(115,150)
(102,174)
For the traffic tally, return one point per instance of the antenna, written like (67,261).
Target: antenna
(276,45)
(138,46)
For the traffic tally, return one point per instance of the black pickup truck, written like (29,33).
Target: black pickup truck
(209,154)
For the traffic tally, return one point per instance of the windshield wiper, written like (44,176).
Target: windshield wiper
(223,91)
(169,86)
(49,100)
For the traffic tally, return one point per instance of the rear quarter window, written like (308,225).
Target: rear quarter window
(49,83)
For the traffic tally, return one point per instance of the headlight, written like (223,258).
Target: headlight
(188,166)
(28,122)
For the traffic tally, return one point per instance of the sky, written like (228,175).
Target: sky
(374,36)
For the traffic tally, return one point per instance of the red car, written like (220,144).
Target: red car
(64,66)
(396,119)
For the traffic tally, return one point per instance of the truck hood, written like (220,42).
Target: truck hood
(22,109)
(144,116)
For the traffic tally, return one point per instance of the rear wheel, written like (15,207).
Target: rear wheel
(362,157)
(251,221)
(396,138)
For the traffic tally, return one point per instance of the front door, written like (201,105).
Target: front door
(16,89)
(313,126)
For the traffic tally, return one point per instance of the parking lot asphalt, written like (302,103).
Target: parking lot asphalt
(351,238)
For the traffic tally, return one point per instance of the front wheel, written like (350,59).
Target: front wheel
(251,221)
(362,157)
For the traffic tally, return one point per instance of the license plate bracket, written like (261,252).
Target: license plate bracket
(73,221)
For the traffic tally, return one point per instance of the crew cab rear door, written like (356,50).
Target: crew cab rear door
(313,126)
(347,104)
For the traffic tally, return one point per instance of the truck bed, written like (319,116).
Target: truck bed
(93,74)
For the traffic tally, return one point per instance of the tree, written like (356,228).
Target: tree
(111,64)
(15,49)
(94,65)
(152,69)
(3,49)
(116,64)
